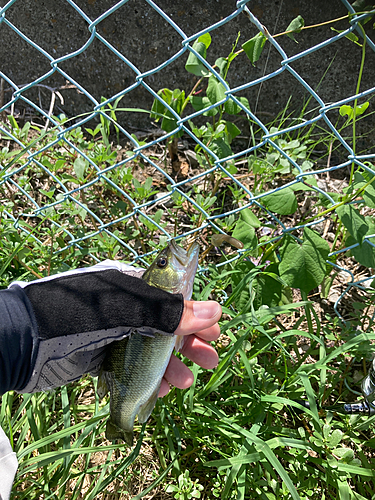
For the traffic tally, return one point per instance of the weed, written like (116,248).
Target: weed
(70,197)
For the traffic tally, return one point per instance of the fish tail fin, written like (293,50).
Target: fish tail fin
(113,433)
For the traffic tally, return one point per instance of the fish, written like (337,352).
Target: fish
(134,366)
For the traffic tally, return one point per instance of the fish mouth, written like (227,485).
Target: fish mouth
(184,257)
(188,260)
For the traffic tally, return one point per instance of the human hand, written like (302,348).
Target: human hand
(80,312)
(199,323)
(74,316)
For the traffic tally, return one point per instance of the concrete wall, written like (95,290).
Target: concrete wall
(140,33)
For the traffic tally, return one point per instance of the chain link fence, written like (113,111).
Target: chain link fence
(91,186)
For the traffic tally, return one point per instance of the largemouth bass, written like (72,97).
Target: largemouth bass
(134,367)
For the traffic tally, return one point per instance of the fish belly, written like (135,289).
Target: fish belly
(134,372)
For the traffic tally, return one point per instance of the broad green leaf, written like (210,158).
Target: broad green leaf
(304,266)
(326,202)
(200,103)
(345,454)
(193,64)
(232,108)
(368,194)
(267,289)
(242,292)
(158,108)
(232,131)
(245,232)
(245,102)
(365,253)
(215,90)
(335,438)
(175,100)
(345,109)
(222,64)
(49,194)
(350,36)
(205,39)
(282,202)
(295,27)
(253,48)
(248,215)
(80,165)
(354,222)
(300,186)
(220,148)
(360,109)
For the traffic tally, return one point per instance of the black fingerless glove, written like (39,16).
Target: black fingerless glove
(54,330)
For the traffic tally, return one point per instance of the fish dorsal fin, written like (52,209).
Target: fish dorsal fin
(146,409)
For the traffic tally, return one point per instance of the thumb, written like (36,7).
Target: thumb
(198,315)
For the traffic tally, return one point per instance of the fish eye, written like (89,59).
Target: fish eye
(162,262)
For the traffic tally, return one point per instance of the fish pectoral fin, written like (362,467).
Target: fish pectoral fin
(102,387)
(146,409)
(180,339)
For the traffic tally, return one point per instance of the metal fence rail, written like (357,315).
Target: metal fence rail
(73,197)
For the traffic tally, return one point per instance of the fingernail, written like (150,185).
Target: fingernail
(205,310)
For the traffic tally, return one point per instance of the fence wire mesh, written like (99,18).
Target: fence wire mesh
(120,202)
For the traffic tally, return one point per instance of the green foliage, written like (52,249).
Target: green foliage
(304,266)
(235,434)
(295,27)
(186,488)
(194,64)
(350,112)
(254,47)
(175,99)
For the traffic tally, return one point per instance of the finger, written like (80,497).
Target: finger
(197,316)
(209,334)
(200,352)
(178,374)
(164,388)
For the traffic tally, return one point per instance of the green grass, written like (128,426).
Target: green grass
(234,430)
(234,434)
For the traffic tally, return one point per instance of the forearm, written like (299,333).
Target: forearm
(18,339)
(55,329)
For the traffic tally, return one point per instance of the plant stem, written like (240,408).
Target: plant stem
(356,101)
(308,312)
(140,235)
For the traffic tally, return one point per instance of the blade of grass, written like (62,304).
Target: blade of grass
(66,420)
(53,456)
(261,447)
(235,470)
(157,481)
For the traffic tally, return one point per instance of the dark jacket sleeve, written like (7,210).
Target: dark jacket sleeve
(18,339)
(88,305)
